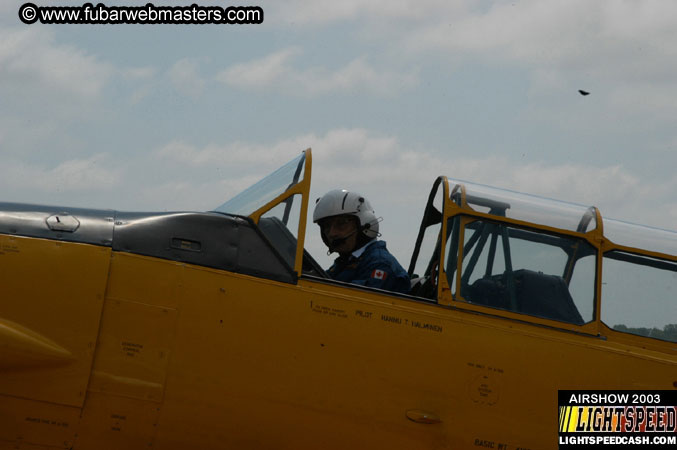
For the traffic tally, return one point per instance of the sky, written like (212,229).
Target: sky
(389,94)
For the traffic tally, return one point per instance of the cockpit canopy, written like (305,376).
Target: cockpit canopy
(523,207)
(517,254)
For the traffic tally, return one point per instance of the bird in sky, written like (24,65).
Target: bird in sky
(583,92)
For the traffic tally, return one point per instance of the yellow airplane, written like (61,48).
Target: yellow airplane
(217,330)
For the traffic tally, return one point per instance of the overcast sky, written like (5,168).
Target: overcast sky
(388,93)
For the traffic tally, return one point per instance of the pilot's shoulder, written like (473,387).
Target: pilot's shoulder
(377,256)
(377,250)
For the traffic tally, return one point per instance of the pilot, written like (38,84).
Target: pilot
(349,227)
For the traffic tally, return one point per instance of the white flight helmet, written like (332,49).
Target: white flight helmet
(341,201)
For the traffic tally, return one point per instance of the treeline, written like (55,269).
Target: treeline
(668,333)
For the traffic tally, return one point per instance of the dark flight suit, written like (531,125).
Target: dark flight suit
(375,267)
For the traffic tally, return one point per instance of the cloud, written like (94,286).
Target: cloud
(138,73)
(399,177)
(236,154)
(30,57)
(560,32)
(9,11)
(75,177)
(622,50)
(277,71)
(588,39)
(262,72)
(35,66)
(319,13)
(185,78)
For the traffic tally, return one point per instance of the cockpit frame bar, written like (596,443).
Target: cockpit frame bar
(302,188)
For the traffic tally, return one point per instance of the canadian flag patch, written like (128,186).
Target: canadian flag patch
(379,274)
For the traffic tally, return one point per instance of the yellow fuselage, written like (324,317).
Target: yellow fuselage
(108,350)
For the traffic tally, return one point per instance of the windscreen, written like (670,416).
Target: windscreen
(257,195)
